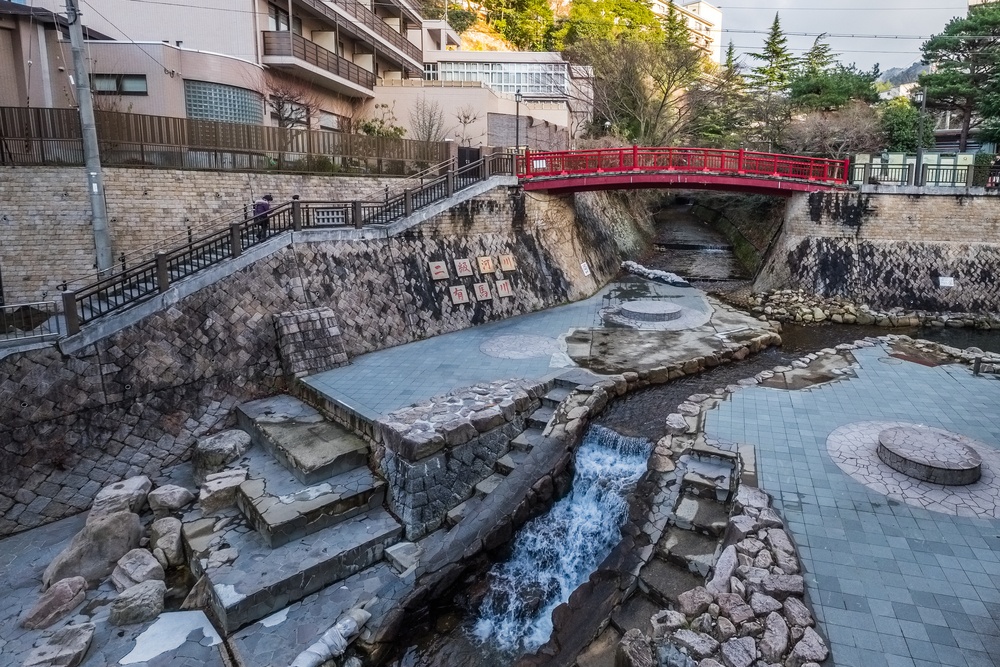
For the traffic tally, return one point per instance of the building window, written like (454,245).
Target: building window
(216,101)
(118,84)
(532,79)
(277,20)
(431,71)
(334,122)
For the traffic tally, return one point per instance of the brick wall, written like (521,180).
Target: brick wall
(890,250)
(135,401)
(45,231)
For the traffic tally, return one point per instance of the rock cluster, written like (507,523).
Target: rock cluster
(801,306)
(751,612)
(654,274)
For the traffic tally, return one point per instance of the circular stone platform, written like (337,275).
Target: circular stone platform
(854,448)
(651,311)
(929,454)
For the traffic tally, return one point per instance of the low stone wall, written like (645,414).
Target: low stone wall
(433,454)
(134,401)
(920,252)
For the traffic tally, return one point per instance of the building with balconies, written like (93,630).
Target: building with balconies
(703,21)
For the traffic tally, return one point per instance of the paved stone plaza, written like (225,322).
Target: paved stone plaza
(897,580)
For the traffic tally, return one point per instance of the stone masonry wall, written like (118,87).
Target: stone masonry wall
(890,250)
(45,231)
(134,402)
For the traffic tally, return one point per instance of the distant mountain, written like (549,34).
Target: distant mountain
(899,75)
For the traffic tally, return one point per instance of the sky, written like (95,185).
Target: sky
(886,18)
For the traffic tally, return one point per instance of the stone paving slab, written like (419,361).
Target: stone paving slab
(298,436)
(892,584)
(263,580)
(278,638)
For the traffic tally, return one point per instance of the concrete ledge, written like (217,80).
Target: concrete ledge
(931,191)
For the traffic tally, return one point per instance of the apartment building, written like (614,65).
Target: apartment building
(703,21)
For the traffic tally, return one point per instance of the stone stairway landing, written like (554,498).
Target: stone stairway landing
(300,438)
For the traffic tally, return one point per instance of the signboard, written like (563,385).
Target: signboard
(503,289)
(439,270)
(585,268)
(946,281)
(459,294)
(507,263)
(483,292)
(463,267)
(486,265)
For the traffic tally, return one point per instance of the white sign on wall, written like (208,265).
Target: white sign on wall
(585,268)
(946,281)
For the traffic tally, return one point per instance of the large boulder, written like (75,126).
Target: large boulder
(169,498)
(142,602)
(165,541)
(634,650)
(94,551)
(66,647)
(128,495)
(134,568)
(211,454)
(61,598)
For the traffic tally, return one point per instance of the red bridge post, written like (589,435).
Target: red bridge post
(527,162)
(739,162)
(635,156)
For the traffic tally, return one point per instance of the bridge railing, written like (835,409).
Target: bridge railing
(680,159)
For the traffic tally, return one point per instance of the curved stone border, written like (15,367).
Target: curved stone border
(853,448)
(929,454)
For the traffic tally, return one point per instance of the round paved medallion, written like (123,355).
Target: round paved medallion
(854,448)
(929,454)
(650,311)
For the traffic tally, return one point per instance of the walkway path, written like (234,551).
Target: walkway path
(894,585)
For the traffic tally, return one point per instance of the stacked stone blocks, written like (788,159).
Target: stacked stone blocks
(309,340)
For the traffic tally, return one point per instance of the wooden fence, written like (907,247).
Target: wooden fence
(53,137)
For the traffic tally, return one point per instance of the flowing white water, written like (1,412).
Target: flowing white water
(554,553)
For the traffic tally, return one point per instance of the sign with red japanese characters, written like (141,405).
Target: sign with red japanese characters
(483,292)
(486,265)
(439,270)
(463,267)
(507,263)
(504,289)
(459,294)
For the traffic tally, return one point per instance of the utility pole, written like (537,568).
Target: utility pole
(91,150)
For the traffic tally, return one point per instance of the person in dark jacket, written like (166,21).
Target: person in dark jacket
(260,215)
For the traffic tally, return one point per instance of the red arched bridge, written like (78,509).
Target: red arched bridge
(665,167)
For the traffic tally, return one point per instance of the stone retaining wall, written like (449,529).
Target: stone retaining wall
(890,250)
(134,401)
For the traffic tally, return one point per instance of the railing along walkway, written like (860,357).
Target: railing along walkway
(146,279)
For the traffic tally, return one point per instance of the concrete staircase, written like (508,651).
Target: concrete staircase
(308,515)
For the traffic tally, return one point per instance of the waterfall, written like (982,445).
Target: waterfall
(554,553)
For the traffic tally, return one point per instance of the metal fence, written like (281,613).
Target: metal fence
(932,175)
(143,280)
(53,137)
(23,322)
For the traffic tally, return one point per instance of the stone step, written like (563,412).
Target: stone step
(262,580)
(301,439)
(540,418)
(663,581)
(556,396)
(281,509)
(688,549)
(704,515)
(575,377)
(527,440)
(709,476)
(488,485)
(508,462)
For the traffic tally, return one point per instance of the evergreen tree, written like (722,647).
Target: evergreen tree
(730,57)
(967,61)
(819,58)
(900,122)
(674,29)
(777,64)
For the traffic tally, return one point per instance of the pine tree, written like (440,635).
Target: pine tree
(819,58)
(730,57)
(777,63)
(675,32)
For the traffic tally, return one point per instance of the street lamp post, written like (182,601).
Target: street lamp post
(918,178)
(517,121)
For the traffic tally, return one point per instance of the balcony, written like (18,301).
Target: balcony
(313,62)
(362,16)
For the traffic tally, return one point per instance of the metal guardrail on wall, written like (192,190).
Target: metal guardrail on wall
(52,137)
(144,280)
(24,322)
(932,175)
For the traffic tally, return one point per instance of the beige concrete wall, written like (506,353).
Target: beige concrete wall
(47,237)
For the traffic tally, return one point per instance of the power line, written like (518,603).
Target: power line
(166,70)
(848,9)
(830,34)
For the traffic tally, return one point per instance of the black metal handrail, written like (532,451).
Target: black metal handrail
(146,279)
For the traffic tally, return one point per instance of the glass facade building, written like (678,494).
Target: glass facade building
(532,79)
